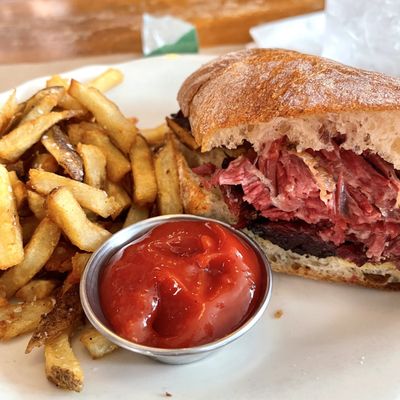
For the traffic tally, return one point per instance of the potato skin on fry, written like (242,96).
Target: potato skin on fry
(58,145)
(15,143)
(61,366)
(66,314)
(17,319)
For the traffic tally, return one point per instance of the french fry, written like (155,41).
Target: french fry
(121,197)
(88,197)
(37,252)
(59,146)
(57,80)
(121,130)
(11,247)
(183,135)
(15,143)
(70,217)
(96,344)
(136,214)
(94,163)
(37,204)
(7,112)
(168,199)
(144,179)
(61,259)
(61,365)
(155,136)
(18,167)
(45,162)
(44,104)
(78,261)
(36,289)
(17,319)
(65,315)
(18,188)
(28,226)
(117,164)
(107,80)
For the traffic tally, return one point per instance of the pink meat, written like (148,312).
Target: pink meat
(281,187)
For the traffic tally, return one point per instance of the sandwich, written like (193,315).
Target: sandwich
(303,154)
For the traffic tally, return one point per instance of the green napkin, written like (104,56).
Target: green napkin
(163,35)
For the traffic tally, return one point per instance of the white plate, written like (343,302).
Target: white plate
(332,342)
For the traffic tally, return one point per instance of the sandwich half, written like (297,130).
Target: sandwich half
(303,154)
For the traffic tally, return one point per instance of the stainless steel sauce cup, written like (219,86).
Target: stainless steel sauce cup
(89,291)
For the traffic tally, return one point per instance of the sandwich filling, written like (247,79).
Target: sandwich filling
(323,203)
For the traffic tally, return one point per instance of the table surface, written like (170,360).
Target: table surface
(44,30)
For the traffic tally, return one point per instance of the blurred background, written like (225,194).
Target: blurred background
(42,37)
(43,30)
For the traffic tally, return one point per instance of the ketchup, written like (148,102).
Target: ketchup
(182,284)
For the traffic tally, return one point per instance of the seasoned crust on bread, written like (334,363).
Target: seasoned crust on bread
(263,94)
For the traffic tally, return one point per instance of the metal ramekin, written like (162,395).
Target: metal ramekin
(91,303)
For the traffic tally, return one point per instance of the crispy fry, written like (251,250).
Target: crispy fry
(136,214)
(57,80)
(8,111)
(17,319)
(18,188)
(15,143)
(59,146)
(169,199)
(66,314)
(144,179)
(60,260)
(107,80)
(78,261)
(95,343)
(88,197)
(36,289)
(121,197)
(11,248)
(45,162)
(121,130)
(155,136)
(37,204)
(183,135)
(70,217)
(61,365)
(94,163)
(42,104)
(37,252)
(117,164)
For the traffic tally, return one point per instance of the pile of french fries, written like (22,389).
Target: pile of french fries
(73,170)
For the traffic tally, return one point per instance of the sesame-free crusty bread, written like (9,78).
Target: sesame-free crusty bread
(263,94)
(206,202)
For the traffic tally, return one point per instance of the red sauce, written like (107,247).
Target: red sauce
(182,284)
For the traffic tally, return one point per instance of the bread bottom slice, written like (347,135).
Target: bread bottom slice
(334,269)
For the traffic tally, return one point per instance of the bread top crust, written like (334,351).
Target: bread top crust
(252,87)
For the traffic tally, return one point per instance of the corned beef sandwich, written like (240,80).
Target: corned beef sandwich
(303,154)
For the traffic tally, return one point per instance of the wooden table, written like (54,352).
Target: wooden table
(44,30)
